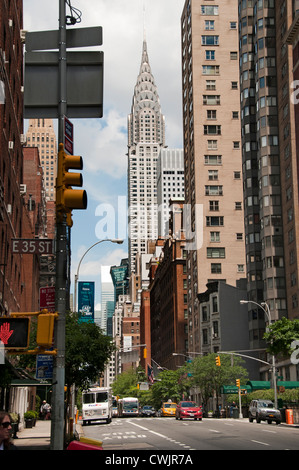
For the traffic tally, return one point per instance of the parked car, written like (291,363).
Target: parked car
(148,410)
(264,410)
(188,409)
(168,409)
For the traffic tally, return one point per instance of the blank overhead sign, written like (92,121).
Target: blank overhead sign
(49,40)
(84,84)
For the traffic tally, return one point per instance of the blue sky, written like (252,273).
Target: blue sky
(103,142)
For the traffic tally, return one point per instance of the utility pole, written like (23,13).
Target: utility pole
(57,423)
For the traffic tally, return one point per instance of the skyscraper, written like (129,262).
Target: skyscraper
(212,150)
(41,134)
(170,184)
(146,136)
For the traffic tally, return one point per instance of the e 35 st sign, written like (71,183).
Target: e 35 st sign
(32,245)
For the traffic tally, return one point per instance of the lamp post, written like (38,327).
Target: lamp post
(112,240)
(265,307)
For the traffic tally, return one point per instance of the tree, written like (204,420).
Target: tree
(280,336)
(209,377)
(170,385)
(126,384)
(87,351)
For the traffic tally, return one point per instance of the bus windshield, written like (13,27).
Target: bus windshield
(130,405)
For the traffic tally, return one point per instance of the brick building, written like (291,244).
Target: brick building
(11,162)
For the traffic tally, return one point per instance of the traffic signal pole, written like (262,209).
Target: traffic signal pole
(57,414)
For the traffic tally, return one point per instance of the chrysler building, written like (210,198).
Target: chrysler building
(146,137)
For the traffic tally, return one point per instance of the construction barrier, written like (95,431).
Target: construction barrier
(289,417)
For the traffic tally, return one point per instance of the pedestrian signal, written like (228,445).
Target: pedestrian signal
(14,332)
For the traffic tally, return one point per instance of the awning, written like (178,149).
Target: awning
(259,385)
(289,384)
(22,378)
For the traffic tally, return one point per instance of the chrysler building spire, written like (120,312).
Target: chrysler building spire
(146,136)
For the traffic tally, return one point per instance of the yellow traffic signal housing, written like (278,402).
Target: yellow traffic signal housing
(45,329)
(218,362)
(68,198)
(238,383)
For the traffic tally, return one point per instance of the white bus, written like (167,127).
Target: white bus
(128,406)
(96,405)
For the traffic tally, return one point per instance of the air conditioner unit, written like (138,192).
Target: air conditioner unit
(23,189)
(23,35)
(9,209)
(10,23)
(23,139)
(10,145)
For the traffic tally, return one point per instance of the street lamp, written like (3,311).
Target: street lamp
(112,240)
(265,307)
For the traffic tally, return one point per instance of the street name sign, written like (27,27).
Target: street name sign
(33,246)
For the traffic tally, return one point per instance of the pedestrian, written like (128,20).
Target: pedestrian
(45,410)
(5,432)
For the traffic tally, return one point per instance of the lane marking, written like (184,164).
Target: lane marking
(262,443)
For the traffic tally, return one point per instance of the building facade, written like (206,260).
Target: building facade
(146,136)
(170,184)
(212,150)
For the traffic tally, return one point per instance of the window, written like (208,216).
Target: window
(214,221)
(211,84)
(208,40)
(214,190)
(210,55)
(210,10)
(212,130)
(212,144)
(213,159)
(211,99)
(216,268)
(211,69)
(209,25)
(216,252)
(211,114)
(215,236)
(233,55)
(214,206)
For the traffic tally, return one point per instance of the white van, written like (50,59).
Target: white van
(97,405)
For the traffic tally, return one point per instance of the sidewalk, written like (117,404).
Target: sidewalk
(36,438)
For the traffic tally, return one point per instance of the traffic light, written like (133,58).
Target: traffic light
(45,329)
(218,362)
(238,383)
(68,198)
(14,332)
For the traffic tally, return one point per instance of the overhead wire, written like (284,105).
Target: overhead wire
(75,14)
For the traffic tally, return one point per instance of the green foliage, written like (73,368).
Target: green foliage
(289,396)
(126,384)
(280,336)
(171,385)
(87,351)
(209,377)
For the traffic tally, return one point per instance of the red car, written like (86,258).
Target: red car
(188,409)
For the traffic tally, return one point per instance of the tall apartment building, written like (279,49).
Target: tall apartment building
(212,149)
(170,184)
(270,167)
(12,275)
(41,134)
(146,136)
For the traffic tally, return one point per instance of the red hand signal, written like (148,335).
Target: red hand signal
(5,332)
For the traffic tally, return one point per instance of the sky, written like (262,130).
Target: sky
(102,143)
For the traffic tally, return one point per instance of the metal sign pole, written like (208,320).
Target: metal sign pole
(57,425)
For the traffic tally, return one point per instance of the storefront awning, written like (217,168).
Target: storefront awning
(288,385)
(259,385)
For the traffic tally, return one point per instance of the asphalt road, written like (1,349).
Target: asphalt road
(162,434)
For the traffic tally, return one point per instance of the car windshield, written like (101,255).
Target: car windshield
(265,404)
(188,404)
(169,405)
(147,407)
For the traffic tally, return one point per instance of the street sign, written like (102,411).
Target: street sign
(47,299)
(33,246)
(68,136)
(79,37)
(84,84)
(44,366)
(14,332)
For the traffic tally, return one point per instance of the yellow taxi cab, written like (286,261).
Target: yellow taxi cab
(168,408)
